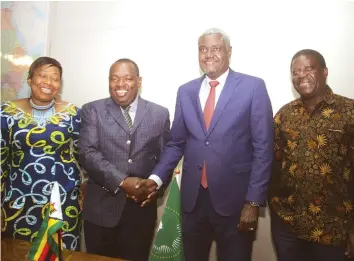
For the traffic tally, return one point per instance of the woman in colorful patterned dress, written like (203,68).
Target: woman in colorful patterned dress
(38,146)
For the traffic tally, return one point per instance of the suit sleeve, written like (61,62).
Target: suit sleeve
(174,148)
(162,142)
(91,158)
(262,139)
(163,138)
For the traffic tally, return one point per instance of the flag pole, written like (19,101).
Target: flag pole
(60,252)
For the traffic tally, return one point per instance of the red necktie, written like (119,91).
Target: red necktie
(208,114)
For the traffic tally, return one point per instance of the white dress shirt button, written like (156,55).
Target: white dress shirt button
(128,142)
(130,161)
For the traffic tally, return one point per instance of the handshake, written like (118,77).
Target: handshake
(142,191)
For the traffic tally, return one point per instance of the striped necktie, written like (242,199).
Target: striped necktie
(127,118)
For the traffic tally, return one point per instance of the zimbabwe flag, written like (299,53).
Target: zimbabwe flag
(47,245)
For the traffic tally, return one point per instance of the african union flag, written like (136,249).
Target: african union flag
(168,245)
(47,245)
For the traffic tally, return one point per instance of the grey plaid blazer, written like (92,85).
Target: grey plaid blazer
(109,153)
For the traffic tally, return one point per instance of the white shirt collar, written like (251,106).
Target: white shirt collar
(134,105)
(221,79)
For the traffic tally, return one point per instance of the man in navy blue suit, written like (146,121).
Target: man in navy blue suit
(223,125)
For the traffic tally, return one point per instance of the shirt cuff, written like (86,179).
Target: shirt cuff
(119,187)
(157,180)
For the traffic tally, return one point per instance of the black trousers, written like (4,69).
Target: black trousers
(290,248)
(201,226)
(131,239)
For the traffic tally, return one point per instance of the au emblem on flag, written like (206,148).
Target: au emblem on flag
(47,244)
(168,244)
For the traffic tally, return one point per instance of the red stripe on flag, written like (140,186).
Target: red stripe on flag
(44,253)
(52,257)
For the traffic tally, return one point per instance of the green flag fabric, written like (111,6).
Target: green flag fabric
(168,244)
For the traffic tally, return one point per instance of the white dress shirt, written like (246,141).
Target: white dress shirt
(205,88)
(203,96)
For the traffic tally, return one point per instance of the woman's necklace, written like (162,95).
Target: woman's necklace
(42,113)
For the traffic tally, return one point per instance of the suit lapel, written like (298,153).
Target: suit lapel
(196,103)
(115,111)
(141,111)
(224,98)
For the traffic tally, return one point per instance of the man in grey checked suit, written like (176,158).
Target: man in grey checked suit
(120,142)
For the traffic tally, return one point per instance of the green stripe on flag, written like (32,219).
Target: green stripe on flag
(38,239)
(54,228)
(51,231)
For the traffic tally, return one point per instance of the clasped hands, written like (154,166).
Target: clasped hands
(142,191)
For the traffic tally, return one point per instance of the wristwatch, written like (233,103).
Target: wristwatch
(253,204)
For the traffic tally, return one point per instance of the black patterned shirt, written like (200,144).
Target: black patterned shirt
(312,186)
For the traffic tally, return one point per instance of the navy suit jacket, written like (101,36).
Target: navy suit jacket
(109,152)
(237,148)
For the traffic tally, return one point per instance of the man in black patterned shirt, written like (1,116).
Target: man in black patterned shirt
(311,194)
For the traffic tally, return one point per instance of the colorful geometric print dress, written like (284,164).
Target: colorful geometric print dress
(33,156)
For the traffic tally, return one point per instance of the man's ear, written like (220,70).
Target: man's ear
(140,80)
(325,72)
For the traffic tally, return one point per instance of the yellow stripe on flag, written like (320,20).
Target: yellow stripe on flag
(44,240)
(41,245)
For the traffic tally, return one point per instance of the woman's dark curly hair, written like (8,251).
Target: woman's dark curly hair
(43,61)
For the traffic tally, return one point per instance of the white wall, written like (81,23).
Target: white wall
(161,36)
